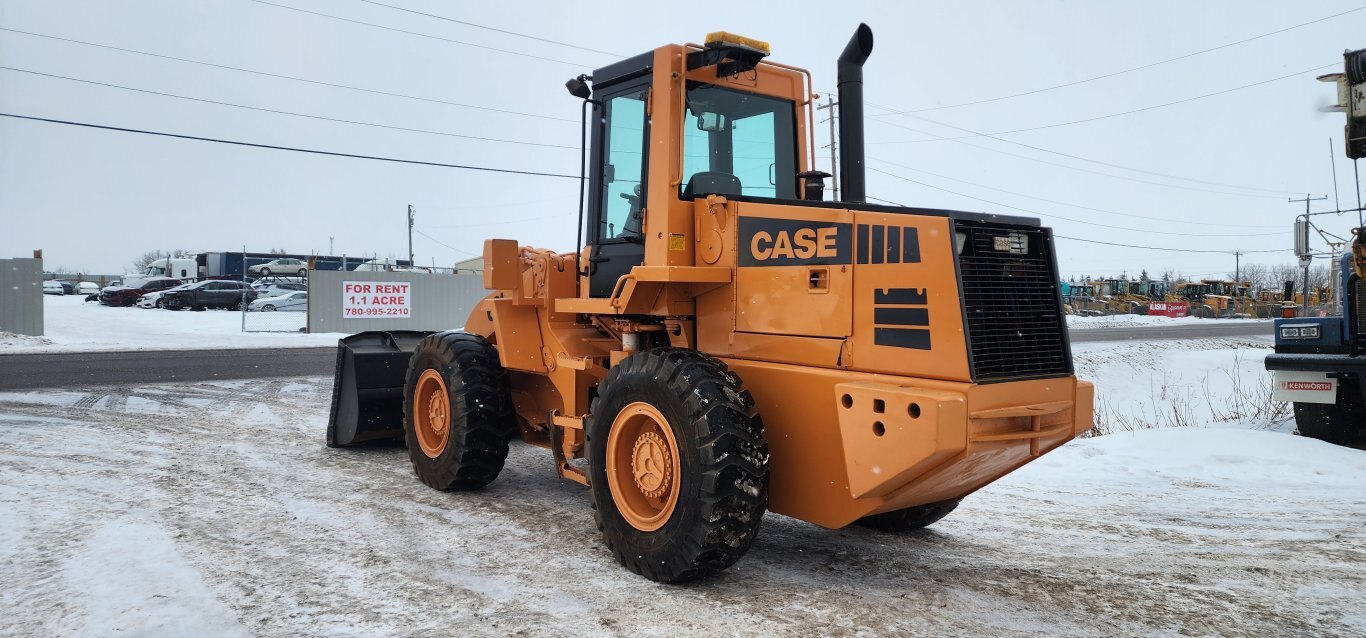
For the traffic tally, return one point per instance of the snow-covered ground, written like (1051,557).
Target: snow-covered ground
(215,509)
(1187,382)
(1077,322)
(70,324)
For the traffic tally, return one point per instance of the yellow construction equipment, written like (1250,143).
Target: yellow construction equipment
(728,341)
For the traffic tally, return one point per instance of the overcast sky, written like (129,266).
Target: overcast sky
(93,199)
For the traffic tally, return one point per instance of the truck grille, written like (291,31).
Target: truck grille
(1011,303)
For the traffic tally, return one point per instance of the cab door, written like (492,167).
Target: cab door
(621,146)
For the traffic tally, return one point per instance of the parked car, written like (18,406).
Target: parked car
(87,288)
(277,289)
(262,282)
(68,288)
(157,299)
(212,293)
(295,301)
(127,295)
(53,287)
(281,266)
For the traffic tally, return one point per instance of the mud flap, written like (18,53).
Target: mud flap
(367,394)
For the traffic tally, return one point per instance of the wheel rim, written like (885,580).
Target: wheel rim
(643,469)
(432,413)
(268,308)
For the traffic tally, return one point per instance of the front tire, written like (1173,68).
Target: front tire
(678,465)
(267,308)
(457,412)
(911,518)
(265,272)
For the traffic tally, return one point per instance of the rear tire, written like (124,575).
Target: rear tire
(457,412)
(911,518)
(1342,423)
(696,507)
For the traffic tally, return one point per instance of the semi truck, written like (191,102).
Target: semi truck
(234,265)
(1320,362)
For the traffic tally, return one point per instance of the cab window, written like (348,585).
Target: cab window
(623,171)
(740,143)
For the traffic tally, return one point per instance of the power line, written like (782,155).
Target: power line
(469,167)
(1132,69)
(1082,159)
(287,77)
(494,29)
(1078,221)
(1175,250)
(281,112)
(1121,113)
(473,168)
(463,252)
(1054,201)
(423,35)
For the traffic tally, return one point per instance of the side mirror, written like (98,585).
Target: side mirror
(578,87)
(711,122)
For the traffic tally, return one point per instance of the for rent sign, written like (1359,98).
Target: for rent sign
(376,299)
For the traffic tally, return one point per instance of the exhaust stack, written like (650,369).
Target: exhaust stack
(850,80)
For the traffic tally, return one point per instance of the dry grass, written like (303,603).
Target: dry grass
(1171,405)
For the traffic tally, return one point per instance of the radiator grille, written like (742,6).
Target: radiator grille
(1010,299)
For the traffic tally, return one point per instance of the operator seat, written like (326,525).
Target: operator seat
(712,183)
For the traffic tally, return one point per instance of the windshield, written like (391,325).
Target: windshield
(748,136)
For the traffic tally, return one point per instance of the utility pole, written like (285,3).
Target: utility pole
(1306,258)
(410,234)
(834,165)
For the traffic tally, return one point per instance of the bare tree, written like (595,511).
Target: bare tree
(140,262)
(1254,273)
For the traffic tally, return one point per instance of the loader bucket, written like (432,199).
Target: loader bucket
(367,396)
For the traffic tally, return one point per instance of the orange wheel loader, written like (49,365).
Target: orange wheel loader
(728,341)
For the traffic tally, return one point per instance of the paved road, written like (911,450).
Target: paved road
(19,371)
(1213,329)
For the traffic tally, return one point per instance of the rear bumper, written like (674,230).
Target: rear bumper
(1350,371)
(899,442)
(901,439)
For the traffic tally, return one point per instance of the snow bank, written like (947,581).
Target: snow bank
(1077,322)
(1181,382)
(1202,458)
(73,325)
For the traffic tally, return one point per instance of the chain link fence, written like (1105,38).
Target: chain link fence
(278,308)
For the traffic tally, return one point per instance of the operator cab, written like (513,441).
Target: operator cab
(738,139)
